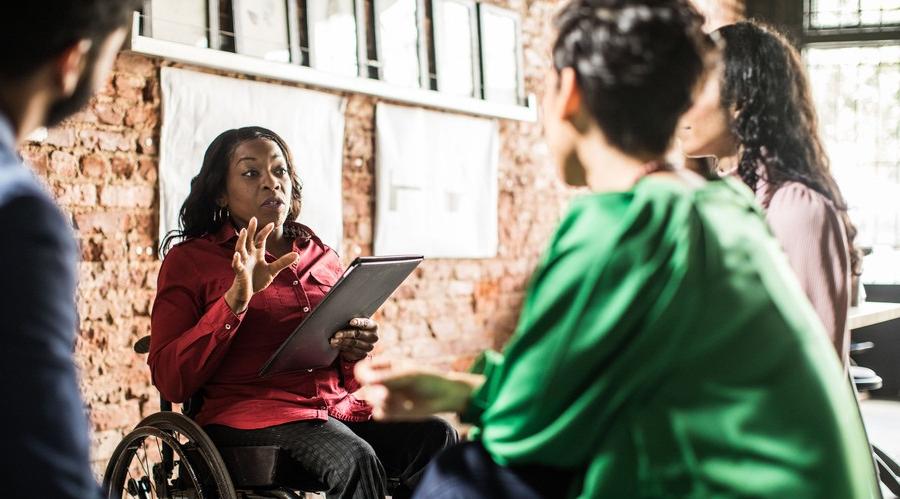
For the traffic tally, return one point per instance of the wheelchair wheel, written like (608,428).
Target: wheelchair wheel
(167,456)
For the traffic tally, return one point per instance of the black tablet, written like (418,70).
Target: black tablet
(365,286)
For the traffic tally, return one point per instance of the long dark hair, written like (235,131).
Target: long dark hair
(200,214)
(775,120)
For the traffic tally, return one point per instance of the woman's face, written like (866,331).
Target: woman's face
(258,183)
(704,130)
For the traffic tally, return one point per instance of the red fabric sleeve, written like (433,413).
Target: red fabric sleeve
(186,343)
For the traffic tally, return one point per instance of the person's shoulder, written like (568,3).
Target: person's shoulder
(17,181)
(798,196)
(799,202)
(31,210)
(184,254)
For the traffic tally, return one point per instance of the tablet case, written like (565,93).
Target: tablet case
(365,286)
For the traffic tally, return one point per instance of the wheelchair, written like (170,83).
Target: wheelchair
(169,456)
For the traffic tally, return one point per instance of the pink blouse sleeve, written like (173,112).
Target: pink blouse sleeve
(809,229)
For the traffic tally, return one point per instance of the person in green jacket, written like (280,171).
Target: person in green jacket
(664,348)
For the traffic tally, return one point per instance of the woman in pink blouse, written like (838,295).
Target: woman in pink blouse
(756,117)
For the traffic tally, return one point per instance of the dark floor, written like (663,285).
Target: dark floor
(882,419)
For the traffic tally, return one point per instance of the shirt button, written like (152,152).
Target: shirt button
(306,309)
(296,283)
(227,326)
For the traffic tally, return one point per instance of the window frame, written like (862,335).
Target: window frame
(221,55)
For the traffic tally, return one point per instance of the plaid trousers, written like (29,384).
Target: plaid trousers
(352,460)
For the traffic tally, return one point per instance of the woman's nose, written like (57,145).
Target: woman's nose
(271,182)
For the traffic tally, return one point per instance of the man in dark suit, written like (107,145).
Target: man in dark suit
(54,54)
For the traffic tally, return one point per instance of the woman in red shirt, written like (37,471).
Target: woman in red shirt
(242,277)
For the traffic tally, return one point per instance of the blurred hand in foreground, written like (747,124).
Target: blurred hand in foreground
(405,391)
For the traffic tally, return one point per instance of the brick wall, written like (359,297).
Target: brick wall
(102,167)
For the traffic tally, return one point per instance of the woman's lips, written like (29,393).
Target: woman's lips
(273,203)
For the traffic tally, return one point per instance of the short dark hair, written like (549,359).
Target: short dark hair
(32,32)
(200,214)
(637,63)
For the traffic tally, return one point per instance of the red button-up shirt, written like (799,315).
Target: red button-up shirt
(198,344)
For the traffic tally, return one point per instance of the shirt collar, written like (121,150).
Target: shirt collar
(299,232)
(225,234)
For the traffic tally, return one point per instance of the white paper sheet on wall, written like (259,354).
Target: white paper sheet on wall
(198,106)
(436,182)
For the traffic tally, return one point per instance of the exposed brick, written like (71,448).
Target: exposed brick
(107,140)
(141,116)
(69,194)
(135,64)
(148,170)
(60,137)
(128,196)
(85,116)
(130,86)
(147,143)
(38,159)
(63,164)
(94,165)
(106,222)
(122,167)
(109,113)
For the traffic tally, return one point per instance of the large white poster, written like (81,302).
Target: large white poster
(197,107)
(436,180)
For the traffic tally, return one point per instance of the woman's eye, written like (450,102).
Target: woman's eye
(250,173)
(280,170)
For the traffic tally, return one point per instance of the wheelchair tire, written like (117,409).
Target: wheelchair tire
(192,456)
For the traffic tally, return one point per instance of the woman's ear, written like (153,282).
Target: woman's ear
(222,201)
(569,94)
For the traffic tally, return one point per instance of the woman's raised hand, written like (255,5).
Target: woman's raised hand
(252,273)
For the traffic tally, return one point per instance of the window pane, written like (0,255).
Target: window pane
(182,21)
(398,38)
(853,13)
(499,46)
(261,29)
(857,92)
(332,33)
(453,46)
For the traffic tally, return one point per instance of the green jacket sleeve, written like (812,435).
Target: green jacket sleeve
(583,352)
(484,364)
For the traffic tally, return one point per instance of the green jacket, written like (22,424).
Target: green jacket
(665,349)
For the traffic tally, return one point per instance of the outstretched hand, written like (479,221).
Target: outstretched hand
(252,273)
(406,392)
